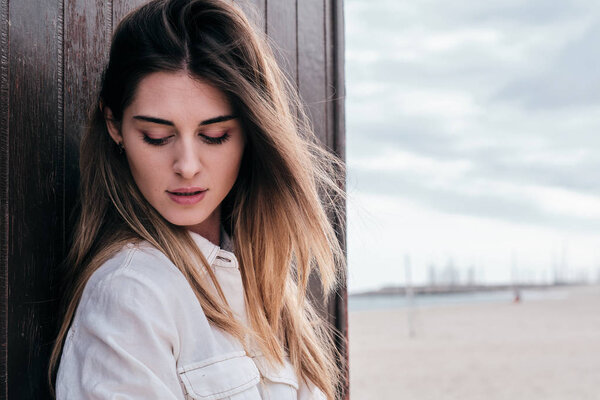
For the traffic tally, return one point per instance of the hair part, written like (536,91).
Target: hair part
(277,212)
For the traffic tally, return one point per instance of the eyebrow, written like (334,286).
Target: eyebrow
(161,121)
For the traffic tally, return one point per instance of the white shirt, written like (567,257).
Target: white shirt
(139,333)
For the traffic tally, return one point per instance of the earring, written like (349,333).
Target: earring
(121,148)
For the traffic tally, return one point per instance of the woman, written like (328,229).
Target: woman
(204,204)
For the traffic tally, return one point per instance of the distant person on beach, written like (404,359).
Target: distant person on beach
(204,203)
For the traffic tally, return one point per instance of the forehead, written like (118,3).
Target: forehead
(176,94)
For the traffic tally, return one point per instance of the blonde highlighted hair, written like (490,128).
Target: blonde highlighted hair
(278,211)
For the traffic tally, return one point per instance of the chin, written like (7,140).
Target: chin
(184,220)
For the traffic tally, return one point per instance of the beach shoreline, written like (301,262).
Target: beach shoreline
(547,348)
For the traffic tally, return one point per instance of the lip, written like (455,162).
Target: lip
(187,196)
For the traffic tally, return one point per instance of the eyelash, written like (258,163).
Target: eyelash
(207,139)
(216,140)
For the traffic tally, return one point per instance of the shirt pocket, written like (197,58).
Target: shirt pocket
(279,383)
(232,376)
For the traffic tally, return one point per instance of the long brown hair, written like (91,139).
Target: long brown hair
(277,211)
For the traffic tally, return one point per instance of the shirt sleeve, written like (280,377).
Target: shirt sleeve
(122,343)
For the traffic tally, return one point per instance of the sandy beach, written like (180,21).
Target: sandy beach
(538,349)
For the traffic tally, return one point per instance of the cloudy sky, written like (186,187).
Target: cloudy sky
(472,140)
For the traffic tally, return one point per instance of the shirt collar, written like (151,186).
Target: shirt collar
(210,250)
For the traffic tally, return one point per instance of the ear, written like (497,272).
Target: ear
(112,125)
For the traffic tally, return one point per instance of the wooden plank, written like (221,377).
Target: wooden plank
(42,155)
(334,25)
(335,89)
(335,81)
(281,28)
(255,10)
(312,91)
(338,85)
(35,191)
(331,73)
(121,8)
(4,216)
(88,28)
(311,63)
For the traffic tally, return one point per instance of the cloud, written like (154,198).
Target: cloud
(482,110)
(571,79)
(565,211)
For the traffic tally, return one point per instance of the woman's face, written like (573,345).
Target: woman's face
(184,147)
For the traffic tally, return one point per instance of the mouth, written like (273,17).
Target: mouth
(187,196)
(186,193)
(192,191)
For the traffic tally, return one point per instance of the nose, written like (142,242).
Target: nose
(187,163)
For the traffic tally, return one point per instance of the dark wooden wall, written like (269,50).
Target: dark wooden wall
(51,57)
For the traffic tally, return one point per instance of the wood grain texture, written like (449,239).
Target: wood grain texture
(35,191)
(4,222)
(330,74)
(338,83)
(320,57)
(311,88)
(336,139)
(255,10)
(51,59)
(121,8)
(88,28)
(282,30)
(311,63)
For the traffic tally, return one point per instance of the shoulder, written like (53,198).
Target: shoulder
(127,328)
(138,274)
(140,260)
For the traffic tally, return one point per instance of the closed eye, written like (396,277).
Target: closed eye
(156,142)
(215,140)
(207,139)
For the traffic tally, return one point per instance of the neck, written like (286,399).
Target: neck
(210,228)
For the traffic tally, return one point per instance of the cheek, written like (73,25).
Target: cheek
(227,163)
(235,162)
(146,170)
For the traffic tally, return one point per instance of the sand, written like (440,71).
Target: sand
(537,349)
